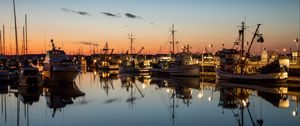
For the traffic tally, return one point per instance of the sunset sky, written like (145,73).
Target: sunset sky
(198,23)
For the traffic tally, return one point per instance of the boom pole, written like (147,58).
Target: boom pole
(255,34)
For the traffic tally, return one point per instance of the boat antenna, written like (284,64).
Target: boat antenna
(173,39)
(53,45)
(106,49)
(131,37)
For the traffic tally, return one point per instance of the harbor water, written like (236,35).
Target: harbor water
(143,100)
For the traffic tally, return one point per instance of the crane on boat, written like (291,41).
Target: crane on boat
(89,44)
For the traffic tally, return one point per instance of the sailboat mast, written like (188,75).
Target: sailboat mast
(3,42)
(0,43)
(26,41)
(23,43)
(16,30)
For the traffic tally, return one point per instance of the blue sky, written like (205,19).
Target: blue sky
(198,22)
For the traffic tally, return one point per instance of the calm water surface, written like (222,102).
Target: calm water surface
(146,101)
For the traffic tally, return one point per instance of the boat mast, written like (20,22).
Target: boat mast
(3,42)
(173,39)
(23,43)
(0,43)
(16,30)
(105,49)
(242,31)
(26,38)
(131,37)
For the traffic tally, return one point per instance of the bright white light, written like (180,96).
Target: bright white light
(168,90)
(200,95)
(294,113)
(284,49)
(144,86)
(244,102)
(209,98)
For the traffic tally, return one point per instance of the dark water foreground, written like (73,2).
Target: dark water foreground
(96,99)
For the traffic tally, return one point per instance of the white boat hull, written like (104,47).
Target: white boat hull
(281,76)
(186,70)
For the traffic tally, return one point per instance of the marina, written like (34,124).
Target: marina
(84,71)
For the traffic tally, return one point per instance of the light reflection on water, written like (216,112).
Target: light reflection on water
(100,99)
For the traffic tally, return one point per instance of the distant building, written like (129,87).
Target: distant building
(296,56)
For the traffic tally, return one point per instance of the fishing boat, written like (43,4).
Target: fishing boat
(179,64)
(235,65)
(58,67)
(107,62)
(184,64)
(160,64)
(131,64)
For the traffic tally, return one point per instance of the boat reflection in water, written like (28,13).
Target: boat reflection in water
(149,100)
(129,83)
(27,95)
(235,96)
(179,90)
(107,78)
(59,96)
(31,94)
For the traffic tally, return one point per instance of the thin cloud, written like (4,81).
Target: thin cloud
(110,14)
(81,12)
(66,9)
(84,13)
(129,15)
